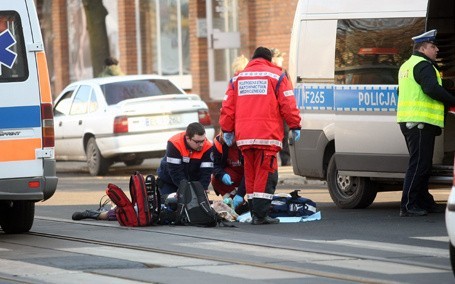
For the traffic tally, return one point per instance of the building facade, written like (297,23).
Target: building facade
(192,42)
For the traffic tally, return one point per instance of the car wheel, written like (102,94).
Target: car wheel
(349,192)
(17,216)
(134,162)
(97,164)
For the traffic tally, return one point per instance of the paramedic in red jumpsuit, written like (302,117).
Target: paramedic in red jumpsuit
(228,173)
(253,110)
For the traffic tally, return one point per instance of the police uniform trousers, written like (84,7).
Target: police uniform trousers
(261,178)
(420,142)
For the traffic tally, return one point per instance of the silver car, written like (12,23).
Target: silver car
(122,119)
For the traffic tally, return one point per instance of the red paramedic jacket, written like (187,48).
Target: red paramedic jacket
(253,110)
(180,162)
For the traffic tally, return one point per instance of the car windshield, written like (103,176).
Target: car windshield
(120,91)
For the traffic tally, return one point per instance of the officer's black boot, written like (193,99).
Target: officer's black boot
(87,214)
(261,208)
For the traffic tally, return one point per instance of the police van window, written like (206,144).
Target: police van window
(370,51)
(13,60)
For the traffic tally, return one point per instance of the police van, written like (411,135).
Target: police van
(27,164)
(344,61)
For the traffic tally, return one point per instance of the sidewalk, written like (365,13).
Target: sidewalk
(286,176)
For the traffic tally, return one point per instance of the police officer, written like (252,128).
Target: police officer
(188,157)
(420,114)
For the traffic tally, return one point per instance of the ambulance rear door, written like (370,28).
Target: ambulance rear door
(21,122)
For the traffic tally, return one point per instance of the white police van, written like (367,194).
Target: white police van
(27,164)
(344,61)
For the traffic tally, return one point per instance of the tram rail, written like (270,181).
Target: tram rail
(283,267)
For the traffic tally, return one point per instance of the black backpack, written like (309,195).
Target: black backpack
(154,198)
(193,206)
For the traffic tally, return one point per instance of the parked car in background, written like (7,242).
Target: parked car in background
(450,222)
(122,119)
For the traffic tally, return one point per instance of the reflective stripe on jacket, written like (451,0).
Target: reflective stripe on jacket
(180,162)
(254,111)
(413,104)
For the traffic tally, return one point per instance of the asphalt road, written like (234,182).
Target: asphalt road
(372,245)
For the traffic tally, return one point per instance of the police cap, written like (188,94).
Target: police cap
(429,36)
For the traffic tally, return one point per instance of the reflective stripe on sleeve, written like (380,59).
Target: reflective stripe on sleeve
(207,165)
(173,160)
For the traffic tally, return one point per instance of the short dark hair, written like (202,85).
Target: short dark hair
(262,52)
(110,61)
(194,128)
(418,45)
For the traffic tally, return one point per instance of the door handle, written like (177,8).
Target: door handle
(80,122)
(60,123)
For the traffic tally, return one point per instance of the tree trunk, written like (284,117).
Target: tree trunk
(95,14)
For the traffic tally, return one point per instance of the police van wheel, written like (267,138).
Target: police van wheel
(349,192)
(97,164)
(17,216)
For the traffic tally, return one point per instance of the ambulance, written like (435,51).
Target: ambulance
(27,164)
(344,60)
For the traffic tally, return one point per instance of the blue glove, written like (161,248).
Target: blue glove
(228,138)
(228,201)
(296,134)
(227,179)
(238,200)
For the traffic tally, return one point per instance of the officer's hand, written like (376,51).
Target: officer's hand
(296,134)
(227,179)
(228,138)
(238,200)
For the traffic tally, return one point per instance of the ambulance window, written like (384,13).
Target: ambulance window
(370,51)
(81,101)
(13,60)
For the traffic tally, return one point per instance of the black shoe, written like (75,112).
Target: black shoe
(414,212)
(264,221)
(437,208)
(87,214)
(242,208)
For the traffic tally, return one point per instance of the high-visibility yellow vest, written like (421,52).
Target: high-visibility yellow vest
(413,104)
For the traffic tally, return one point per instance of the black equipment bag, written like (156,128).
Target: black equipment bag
(194,206)
(154,198)
(293,206)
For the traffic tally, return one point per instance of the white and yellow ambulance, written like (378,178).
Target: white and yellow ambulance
(344,61)
(27,164)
